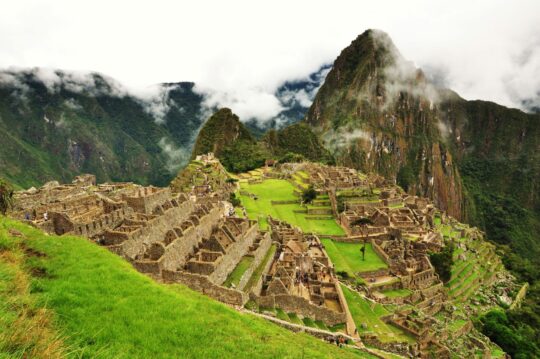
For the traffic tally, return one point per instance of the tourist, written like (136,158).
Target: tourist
(27,216)
(45,216)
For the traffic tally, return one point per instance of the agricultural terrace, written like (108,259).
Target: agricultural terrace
(257,199)
(348,258)
(367,317)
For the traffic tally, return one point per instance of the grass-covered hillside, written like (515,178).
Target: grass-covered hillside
(68,297)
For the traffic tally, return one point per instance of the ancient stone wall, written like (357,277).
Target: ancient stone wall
(102,223)
(202,284)
(155,230)
(234,254)
(147,199)
(258,256)
(177,252)
(303,307)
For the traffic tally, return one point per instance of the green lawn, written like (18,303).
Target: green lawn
(103,308)
(235,276)
(348,258)
(396,293)
(369,313)
(282,190)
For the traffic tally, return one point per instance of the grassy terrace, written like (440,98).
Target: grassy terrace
(235,276)
(369,313)
(98,306)
(282,190)
(348,258)
(396,293)
(258,272)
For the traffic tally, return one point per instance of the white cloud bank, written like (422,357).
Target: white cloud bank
(241,51)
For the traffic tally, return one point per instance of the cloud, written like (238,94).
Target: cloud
(401,75)
(342,138)
(176,156)
(154,99)
(248,103)
(240,49)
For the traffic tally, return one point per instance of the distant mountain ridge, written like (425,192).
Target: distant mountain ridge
(58,124)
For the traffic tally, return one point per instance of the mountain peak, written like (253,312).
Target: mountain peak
(221,129)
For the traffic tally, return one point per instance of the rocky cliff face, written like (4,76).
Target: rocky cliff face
(377,112)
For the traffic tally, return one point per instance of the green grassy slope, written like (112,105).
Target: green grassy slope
(102,308)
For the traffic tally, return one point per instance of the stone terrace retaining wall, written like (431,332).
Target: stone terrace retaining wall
(257,288)
(155,230)
(303,307)
(381,253)
(234,254)
(109,220)
(203,285)
(258,257)
(176,253)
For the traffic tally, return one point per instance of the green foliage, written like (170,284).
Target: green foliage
(234,201)
(518,341)
(405,177)
(308,195)
(291,157)
(297,139)
(243,156)
(6,196)
(223,129)
(340,203)
(109,136)
(443,261)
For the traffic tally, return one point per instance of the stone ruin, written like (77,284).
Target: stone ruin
(188,238)
(301,278)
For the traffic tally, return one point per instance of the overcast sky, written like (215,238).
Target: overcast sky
(483,49)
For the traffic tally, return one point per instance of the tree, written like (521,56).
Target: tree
(234,200)
(443,261)
(309,194)
(363,222)
(6,196)
(292,157)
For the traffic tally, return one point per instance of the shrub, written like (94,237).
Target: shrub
(309,194)
(6,196)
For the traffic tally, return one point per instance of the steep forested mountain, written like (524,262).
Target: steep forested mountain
(62,126)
